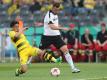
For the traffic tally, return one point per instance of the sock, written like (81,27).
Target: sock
(29,61)
(69,60)
(20,71)
(49,57)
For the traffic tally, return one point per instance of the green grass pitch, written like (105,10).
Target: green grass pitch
(41,71)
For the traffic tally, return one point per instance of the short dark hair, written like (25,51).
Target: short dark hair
(56,4)
(13,23)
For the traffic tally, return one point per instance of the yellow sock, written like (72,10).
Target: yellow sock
(53,59)
(50,57)
(20,71)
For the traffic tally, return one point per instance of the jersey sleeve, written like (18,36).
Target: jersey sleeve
(48,18)
(11,34)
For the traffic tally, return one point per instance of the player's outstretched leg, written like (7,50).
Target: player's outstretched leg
(69,59)
(21,70)
(75,70)
(49,57)
(18,72)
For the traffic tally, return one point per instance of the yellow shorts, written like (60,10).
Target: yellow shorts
(26,53)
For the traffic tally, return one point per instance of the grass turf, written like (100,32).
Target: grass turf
(41,71)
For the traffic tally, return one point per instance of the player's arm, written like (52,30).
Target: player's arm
(53,26)
(59,27)
(20,31)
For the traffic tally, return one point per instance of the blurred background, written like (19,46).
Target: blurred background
(85,14)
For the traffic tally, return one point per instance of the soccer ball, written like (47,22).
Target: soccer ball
(55,72)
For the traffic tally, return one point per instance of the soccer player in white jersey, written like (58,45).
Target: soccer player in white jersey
(52,35)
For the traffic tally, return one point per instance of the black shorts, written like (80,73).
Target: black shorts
(46,41)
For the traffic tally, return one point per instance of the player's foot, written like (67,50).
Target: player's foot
(17,72)
(75,70)
(59,60)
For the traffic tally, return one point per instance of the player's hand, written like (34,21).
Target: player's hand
(66,29)
(25,28)
(38,24)
(21,30)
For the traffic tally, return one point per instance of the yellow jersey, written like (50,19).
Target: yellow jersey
(20,42)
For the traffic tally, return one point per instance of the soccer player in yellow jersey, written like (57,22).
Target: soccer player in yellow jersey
(24,48)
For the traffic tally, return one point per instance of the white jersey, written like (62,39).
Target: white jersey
(53,19)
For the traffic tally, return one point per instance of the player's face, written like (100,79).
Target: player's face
(56,10)
(16,27)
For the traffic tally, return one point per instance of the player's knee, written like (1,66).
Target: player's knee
(64,49)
